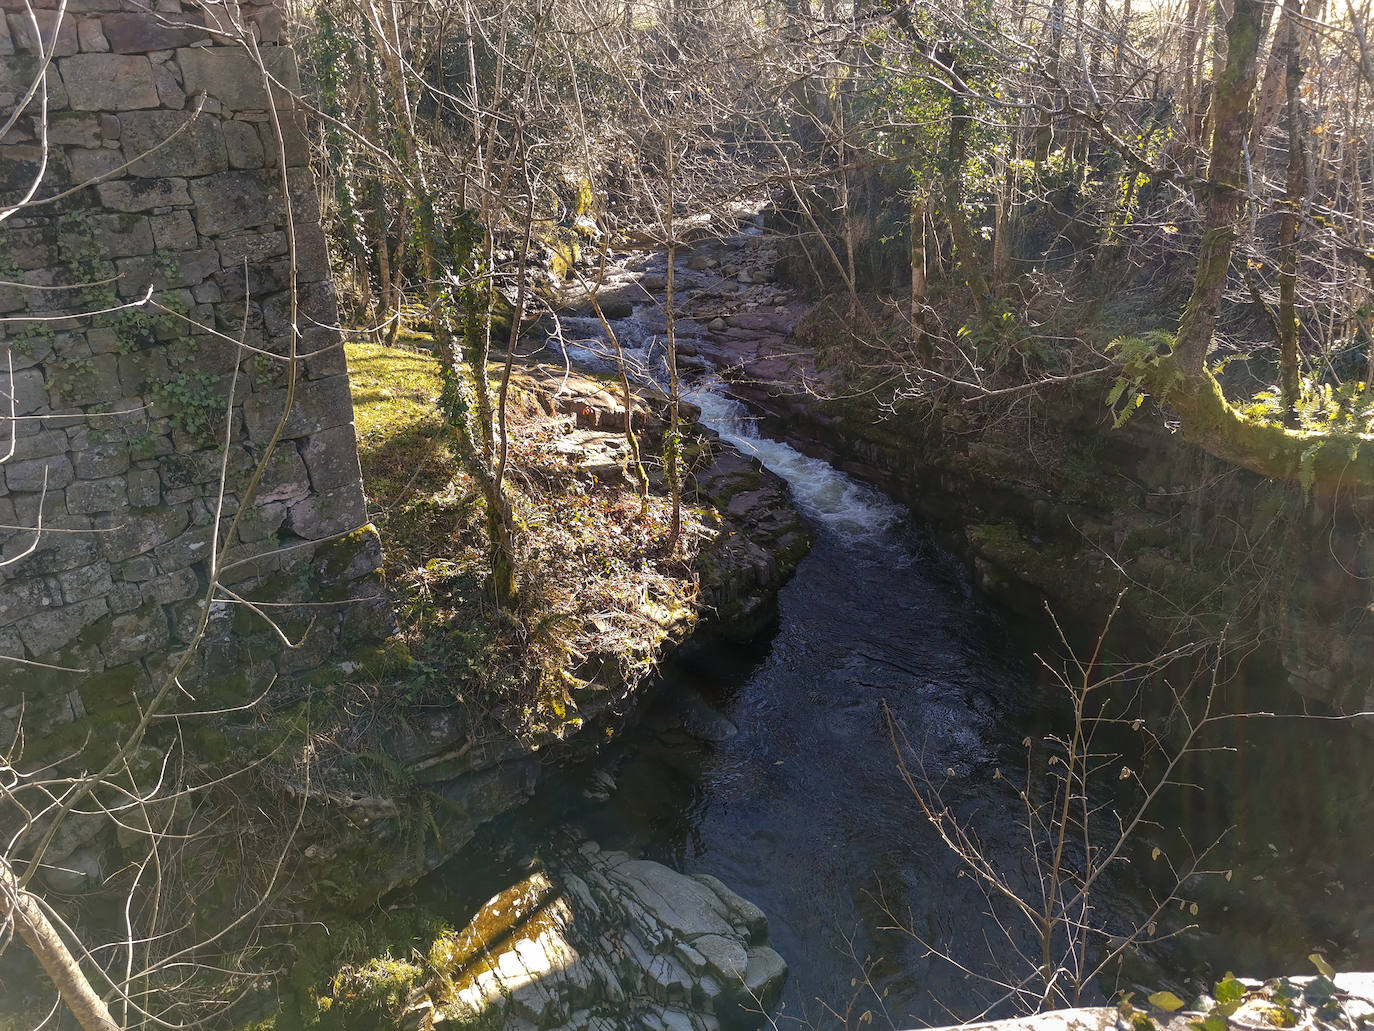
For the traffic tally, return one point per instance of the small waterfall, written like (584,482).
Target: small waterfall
(850,508)
(838,502)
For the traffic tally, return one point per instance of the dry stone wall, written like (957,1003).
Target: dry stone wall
(149,159)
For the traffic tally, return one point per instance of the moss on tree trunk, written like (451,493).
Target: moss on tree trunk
(1230,123)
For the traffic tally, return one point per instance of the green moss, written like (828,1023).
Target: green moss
(111,689)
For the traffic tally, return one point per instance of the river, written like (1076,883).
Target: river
(776,767)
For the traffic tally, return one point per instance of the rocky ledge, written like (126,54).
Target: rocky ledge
(603,942)
(759,536)
(459,774)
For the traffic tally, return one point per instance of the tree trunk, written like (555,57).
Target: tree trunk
(1288,227)
(1230,119)
(20,907)
(672,458)
(956,155)
(918,278)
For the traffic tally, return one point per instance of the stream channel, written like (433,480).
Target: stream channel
(773,765)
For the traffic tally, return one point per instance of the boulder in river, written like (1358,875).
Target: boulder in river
(604,942)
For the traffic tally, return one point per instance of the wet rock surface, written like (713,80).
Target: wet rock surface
(604,942)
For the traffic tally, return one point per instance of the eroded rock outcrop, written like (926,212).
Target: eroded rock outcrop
(604,942)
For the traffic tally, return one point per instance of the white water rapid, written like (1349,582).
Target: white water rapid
(831,498)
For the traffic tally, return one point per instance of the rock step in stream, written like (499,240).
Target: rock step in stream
(599,941)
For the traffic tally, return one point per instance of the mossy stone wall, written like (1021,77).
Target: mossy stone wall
(159,130)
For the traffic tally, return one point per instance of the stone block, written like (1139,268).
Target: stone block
(316,305)
(21,598)
(312,253)
(91,36)
(54,472)
(136,634)
(235,200)
(144,194)
(245,147)
(124,598)
(59,38)
(91,581)
(293,142)
(145,488)
(26,390)
(108,82)
(166,271)
(6,43)
(56,552)
(141,370)
(331,458)
(43,444)
(121,234)
(17,75)
(74,129)
(137,570)
(230,76)
(184,550)
(133,32)
(31,248)
(46,631)
(251,247)
(328,514)
(323,353)
(87,164)
(171,587)
(173,231)
(94,381)
(126,536)
(256,278)
(305,202)
(169,89)
(284,480)
(268,21)
(101,459)
(261,521)
(198,147)
(88,497)
(319,405)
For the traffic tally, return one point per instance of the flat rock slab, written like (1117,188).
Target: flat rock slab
(603,941)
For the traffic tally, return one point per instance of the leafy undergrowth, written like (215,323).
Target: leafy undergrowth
(1322,407)
(597,589)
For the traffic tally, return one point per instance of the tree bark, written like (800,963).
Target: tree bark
(956,155)
(1288,226)
(21,907)
(918,278)
(1230,117)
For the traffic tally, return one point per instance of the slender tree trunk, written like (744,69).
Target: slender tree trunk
(672,458)
(918,278)
(1230,119)
(1288,226)
(956,154)
(19,906)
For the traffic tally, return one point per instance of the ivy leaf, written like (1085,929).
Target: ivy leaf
(1323,967)
(1167,1001)
(1228,989)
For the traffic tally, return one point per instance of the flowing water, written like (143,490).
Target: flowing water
(775,766)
